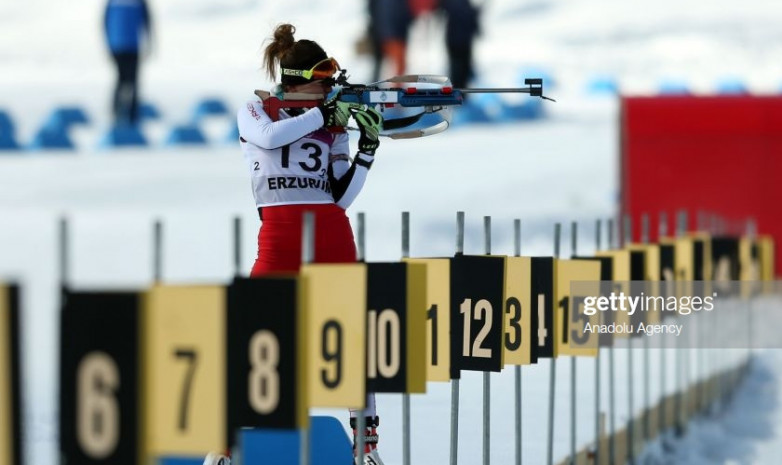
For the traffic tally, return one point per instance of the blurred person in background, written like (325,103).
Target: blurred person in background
(298,165)
(127,27)
(389,26)
(463,26)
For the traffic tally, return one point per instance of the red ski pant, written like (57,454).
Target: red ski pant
(279,239)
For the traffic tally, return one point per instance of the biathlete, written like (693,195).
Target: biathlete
(297,165)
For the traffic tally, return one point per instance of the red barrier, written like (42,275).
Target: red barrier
(720,155)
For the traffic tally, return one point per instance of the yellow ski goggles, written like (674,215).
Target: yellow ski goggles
(323,69)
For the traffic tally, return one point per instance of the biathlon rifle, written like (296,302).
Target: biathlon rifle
(408,102)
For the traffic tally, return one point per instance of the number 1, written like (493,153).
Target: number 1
(563,304)
(431,314)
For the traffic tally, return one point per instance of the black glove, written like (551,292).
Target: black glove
(335,113)
(370,123)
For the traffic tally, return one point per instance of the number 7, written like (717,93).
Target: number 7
(192,359)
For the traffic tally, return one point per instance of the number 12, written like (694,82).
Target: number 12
(482,310)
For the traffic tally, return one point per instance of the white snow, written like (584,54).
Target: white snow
(559,169)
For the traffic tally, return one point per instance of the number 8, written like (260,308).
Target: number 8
(264,382)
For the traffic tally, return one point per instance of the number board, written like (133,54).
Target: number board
(667,270)
(390,322)
(477,302)
(99,378)
(333,298)
(766,245)
(638,269)
(438,308)
(265,357)
(749,261)
(667,260)
(576,280)
(183,360)
(518,318)
(621,279)
(637,264)
(725,257)
(702,256)
(651,274)
(684,259)
(542,308)
(10,395)
(605,339)
(685,266)
(416,327)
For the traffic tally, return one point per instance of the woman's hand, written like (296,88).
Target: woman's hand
(370,123)
(335,112)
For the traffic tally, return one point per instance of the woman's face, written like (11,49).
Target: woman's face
(314,87)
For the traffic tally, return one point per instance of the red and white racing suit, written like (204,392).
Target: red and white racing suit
(296,165)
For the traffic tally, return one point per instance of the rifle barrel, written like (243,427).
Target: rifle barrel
(496,90)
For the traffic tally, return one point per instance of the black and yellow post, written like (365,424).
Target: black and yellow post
(725,256)
(702,256)
(11,452)
(183,371)
(438,326)
(576,280)
(518,332)
(265,355)
(725,259)
(703,270)
(553,362)
(599,452)
(541,340)
(396,316)
(574,337)
(750,265)
(686,263)
(477,313)
(332,298)
(518,323)
(767,270)
(645,265)
(620,275)
(99,378)
(651,276)
(621,266)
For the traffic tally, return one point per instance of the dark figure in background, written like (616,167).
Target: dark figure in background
(389,24)
(127,25)
(462,28)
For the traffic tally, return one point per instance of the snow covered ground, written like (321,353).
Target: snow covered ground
(559,169)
